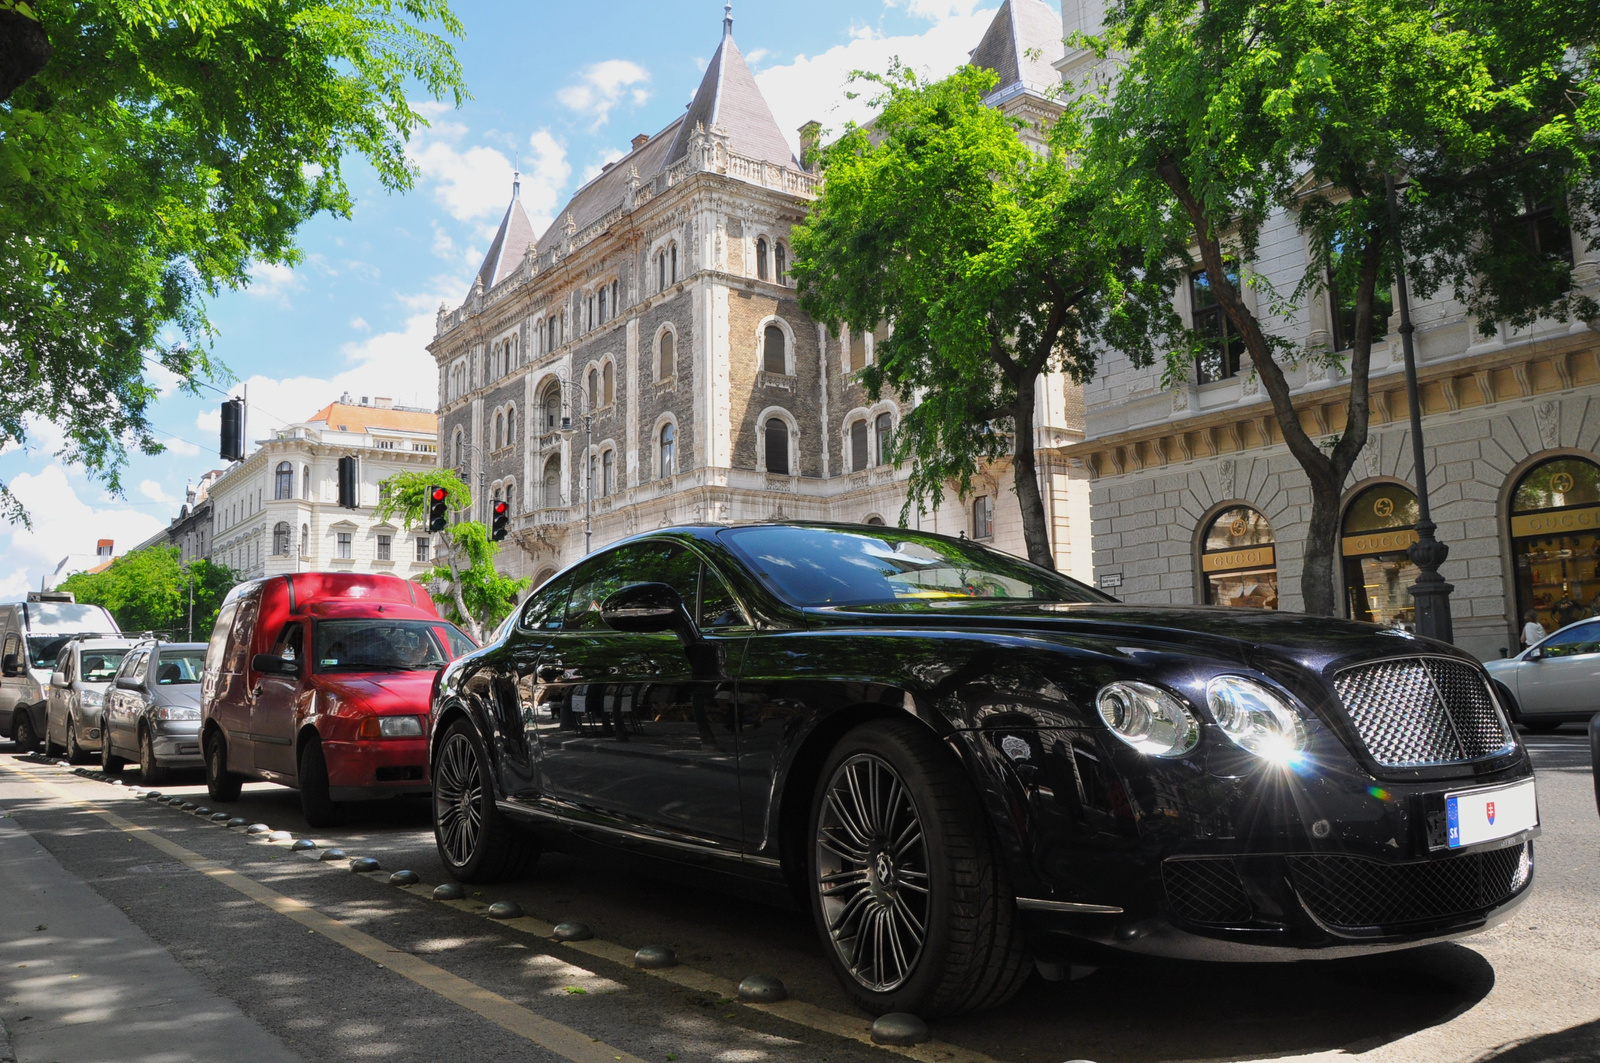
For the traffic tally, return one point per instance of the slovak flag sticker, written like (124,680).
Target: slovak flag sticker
(1489,808)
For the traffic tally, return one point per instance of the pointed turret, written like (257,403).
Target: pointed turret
(1021,45)
(729,98)
(510,241)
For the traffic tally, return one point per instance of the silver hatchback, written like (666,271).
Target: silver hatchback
(152,711)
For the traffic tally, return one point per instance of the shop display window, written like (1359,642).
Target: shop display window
(1555,542)
(1379,525)
(1239,560)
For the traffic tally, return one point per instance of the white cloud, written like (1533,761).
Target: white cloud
(814,87)
(594,169)
(177,446)
(271,280)
(605,84)
(359,323)
(470,183)
(64,525)
(154,491)
(936,11)
(544,179)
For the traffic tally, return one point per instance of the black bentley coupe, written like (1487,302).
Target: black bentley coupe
(967,766)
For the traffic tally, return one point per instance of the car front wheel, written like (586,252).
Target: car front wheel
(110,763)
(221,784)
(75,753)
(22,732)
(315,804)
(907,890)
(151,773)
(475,841)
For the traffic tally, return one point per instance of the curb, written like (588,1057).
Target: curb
(7,1053)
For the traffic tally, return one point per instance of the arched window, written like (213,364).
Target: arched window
(666,357)
(773,359)
(608,384)
(661,271)
(858,350)
(608,469)
(616,301)
(592,386)
(1379,524)
(761,259)
(511,425)
(280,539)
(885,433)
(777,437)
(674,270)
(499,430)
(603,304)
(781,257)
(594,476)
(305,540)
(858,445)
(283,482)
(1239,560)
(875,521)
(1555,537)
(550,407)
(552,482)
(460,450)
(511,497)
(983,517)
(550,338)
(305,482)
(665,447)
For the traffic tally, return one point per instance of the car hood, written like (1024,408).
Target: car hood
(382,692)
(186,696)
(1244,635)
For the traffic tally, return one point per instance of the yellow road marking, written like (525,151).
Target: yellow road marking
(514,1018)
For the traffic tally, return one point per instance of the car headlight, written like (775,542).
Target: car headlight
(175,712)
(391,727)
(91,699)
(1148,718)
(1256,718)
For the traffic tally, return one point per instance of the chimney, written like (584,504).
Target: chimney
(640,141)
(383,402)
(810,135)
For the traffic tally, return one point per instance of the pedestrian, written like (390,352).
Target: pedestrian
(1532,630)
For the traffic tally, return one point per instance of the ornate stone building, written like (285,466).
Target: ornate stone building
(1196,499)
(645,362)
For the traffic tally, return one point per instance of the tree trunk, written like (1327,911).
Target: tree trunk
(1035,525)
(474,628)
(24,50)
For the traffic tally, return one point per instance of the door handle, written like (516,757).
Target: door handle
(549,673)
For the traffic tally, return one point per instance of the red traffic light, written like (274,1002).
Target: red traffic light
(500,509)
(439,494)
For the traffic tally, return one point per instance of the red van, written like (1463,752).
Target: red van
(321,681)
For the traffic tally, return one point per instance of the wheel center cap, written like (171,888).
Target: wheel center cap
(883,871)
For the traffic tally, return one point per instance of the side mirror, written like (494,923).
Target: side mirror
(1534,654)
(646,607)
(11,667)
(272,664)
(129,683)
(58,680)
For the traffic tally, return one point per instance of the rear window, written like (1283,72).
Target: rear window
(178,667)
(98,666)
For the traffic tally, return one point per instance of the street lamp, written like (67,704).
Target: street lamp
(1430,593)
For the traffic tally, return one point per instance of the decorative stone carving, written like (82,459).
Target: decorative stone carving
(1225,471)
(1252,383)
(1370,461)
(1548,417)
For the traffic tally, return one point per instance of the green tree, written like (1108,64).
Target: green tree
(150,590)
(1227,111)
(476,596)
(161,150)
(994,264)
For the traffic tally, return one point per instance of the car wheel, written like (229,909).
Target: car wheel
(475,841)
(315,804)
(75,752)
(907,890)
(22,732)
(110,763)
(221,784)
(150,773)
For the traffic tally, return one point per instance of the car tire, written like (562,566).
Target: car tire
(866,858)
(75,753)
(110,763)
(475,842)
(22,732)
(150,773)
(318,808)
(221,784)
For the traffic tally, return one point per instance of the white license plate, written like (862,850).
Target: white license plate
(1484,815)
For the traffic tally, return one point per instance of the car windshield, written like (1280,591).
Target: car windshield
(847,566)
(375,645)
(42,649)
(98,666)
(180,666)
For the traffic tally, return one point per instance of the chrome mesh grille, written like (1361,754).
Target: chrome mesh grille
(1206,890)
(1422,711)
(1354,892)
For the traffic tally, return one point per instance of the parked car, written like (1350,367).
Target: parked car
(959,760)
(1554,681)
(83,671)
(152,710)
(32,632)
(320,681)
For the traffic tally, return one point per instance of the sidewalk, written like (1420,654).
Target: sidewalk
(79,983)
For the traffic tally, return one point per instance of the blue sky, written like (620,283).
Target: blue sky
(558,90)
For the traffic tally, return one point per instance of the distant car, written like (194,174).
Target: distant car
(152,710)
(1554,681)
(32,632)
(83,671)
(961,760)
(321,681)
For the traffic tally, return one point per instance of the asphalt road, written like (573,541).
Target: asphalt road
(240,918)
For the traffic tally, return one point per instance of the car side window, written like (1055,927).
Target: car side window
(65,663)
(717,605)
(660,561)
(545,609)
(291,641)
(593,583)
(141,662)
(13,648)
(238,652)
(1580,638)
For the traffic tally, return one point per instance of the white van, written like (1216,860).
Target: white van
(32,632)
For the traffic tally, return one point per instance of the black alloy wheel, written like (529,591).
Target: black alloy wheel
(75,753)
(221,784)
(110,763)
(319,809)
(150,773)
(475,842)
(908,892)
(22,732)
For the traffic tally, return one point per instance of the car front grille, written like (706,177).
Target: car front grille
(1351,892)
(1422,711)
(1206,890)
